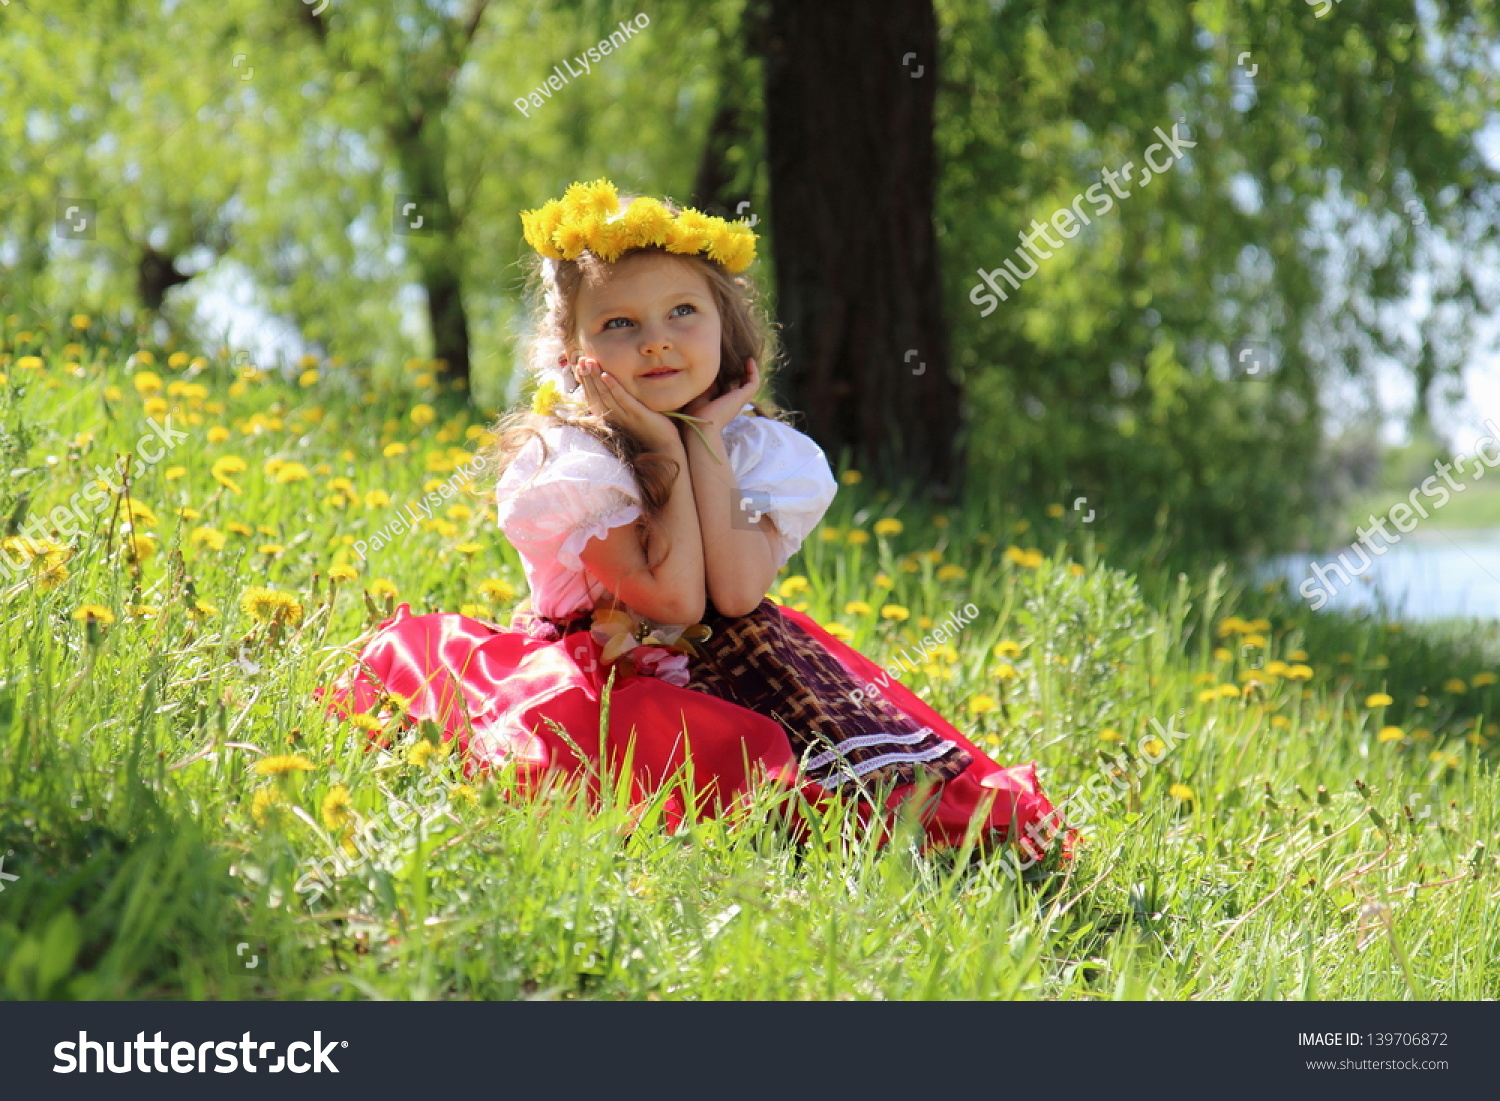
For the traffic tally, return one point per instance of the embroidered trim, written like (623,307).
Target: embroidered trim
(844,747)
(885,759)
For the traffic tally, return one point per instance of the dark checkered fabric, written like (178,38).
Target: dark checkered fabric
(767,663)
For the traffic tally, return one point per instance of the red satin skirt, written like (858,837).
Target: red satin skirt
(529,698)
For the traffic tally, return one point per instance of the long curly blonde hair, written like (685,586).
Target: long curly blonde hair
(554,285)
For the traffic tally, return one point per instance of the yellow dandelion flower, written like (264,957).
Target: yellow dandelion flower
(96,612)
(889,526)
(466,793)
(422,752)
(951,572)
(1299,672)
(383,587)
(856,537)
(1482,679)
(850,477)
(234,527)
(883,581)
(226,466)
(894,611)
(422,414)
(459,512)
(497,590)
(1153,747)
(1180,791)
(1297,655)
(80,321)
(1378,699)
(1258,641)
(1208,695)
(308,378)
(838,631)
(281,765)
(202,609)
(365,722)
(391,450)
(377,498)
(1455,685)
(857,607)
(469,549)
(291,472)
(337,810)
(264,806)
(1228,691)
(1109,734)
(139,548)
(1055,511)
(1280,721)
(830,535)
(793,585)
(1390,734)
(270,606)
(1005,648)
(979,705)
(341,571)
(1004,671)
(146,382)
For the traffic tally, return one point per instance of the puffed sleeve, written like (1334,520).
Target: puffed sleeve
(582,491)
(786,471)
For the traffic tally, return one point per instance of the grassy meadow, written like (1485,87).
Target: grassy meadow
(1323,828)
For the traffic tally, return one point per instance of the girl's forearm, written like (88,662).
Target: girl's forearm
(680,574)
(738,566)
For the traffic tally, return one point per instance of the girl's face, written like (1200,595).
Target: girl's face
(652,323)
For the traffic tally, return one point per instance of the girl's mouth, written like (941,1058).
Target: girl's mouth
(662,372)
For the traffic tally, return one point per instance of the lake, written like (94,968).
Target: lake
(1431,574)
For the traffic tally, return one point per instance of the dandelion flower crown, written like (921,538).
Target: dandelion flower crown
(588,216)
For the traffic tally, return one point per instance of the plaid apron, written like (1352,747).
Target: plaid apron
(767,663)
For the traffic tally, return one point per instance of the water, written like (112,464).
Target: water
(1430,574)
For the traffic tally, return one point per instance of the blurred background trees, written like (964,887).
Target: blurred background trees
(352,174)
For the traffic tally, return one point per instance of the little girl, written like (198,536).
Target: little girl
(652,501)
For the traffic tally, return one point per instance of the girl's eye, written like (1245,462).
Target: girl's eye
(680,306)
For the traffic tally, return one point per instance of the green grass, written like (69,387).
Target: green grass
(1269,853)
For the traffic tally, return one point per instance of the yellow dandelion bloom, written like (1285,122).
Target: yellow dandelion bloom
(1055,511)
(1007,649)
(235,527)
(281,765)
(850,477)
(1482,679)
(1280,721)
(497,590)
(889,526)
(1232,625)
(422,414)
(365,722)
(270,550)
(308,378)
(793,585)
(422,752)
(383,587)
(147,382)
(952,572)
(391,450)
(1228,691)
(1004,671)
(80,321)
(264,806)
(270,606)
(856,537)
(1455,685)
(830,535)
(1390,734)
(96,612)
(1153,747)
(883,581)
(1299,672)
(979,705)
(291,472)
(1297,655)
(469,549)
(1109,734)
(838,631)
(894,611)
(139,548)
(1378,699)
(857,607)
(341,571)
(337,810)
(1180,791)
(377,498)
(1258,641)
(202,609)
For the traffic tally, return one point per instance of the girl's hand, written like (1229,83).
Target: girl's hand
(607,398)
(721,410)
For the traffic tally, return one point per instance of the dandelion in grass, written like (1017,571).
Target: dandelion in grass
(288,473)
(1456,686)
(830,535)
(337,810)
(377,498)
(469,549)
(146,382)
(838,631)
(1299,672)
(883,581)
(793,585)
(422,753)
(1480,680)
(895,612)
(909,564)
(1006,648)
(1378,699)
(1390,734)
(1055,511)
(270,550)
(889,526)
(856,537)
(139,548)
(851,477)
(952,572)
(1003,671)
(342,571)
(982,705)
(383,587)
(857,607)
(394,449)
(1110,734)
(497,590)
(202,609)
(225,467)
(466,793)
(283,765)
(270,606)
(265,807)
(95,613)
(1180,792)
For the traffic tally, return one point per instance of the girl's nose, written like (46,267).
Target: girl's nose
(655,345)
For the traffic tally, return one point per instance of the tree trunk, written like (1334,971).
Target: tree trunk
(853,175)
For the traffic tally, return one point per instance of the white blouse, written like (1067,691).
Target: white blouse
(585,490)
